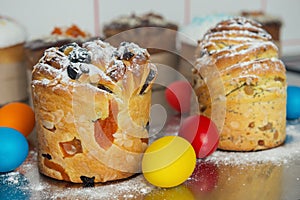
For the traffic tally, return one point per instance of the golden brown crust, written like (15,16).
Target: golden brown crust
(251,86)
(92,108)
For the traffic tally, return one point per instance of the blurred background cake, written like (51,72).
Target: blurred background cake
(152,40)
(59,36)
(13,72)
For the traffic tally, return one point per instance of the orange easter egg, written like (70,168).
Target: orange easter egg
(18,116)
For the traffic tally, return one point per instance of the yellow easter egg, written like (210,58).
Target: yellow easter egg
(175,193)
(168,161)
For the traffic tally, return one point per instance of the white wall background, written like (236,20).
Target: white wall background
(40,16)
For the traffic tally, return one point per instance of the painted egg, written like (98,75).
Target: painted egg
(175,193)
(293,102)
(178,96)
(18,116)
(13,149)
(202,133)
(204,178)
(168,161)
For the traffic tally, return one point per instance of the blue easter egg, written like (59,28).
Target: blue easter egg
(293,102)
(13,149)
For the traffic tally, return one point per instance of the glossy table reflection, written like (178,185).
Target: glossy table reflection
(210,180)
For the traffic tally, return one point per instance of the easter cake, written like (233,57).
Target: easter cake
(241,55)
(132,27)
(13,72)
(92,108)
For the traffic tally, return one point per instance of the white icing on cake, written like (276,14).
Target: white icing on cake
(66,32)
(11,32)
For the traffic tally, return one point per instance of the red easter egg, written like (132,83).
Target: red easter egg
(178,95)
(204,178)
(202,133)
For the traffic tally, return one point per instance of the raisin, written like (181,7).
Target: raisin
(145,140)
(102,87)
(279,79)
(73,72)
(203,108)
(144,88)
(46,155)
(150,77)
(80,55)
(88,181)
(127,55)
(261,142)
(251,125)
(147,126)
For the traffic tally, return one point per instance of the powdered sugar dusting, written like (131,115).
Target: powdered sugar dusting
(279,155)
(132,188)
(28,181)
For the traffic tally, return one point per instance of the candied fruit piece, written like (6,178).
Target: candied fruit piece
(71,148)
(56,31)
(105,128)
(75,31)
(56,167)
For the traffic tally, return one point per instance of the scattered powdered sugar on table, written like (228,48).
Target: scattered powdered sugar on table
(133,187)
(278,155)
(26,182)
(30,184)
